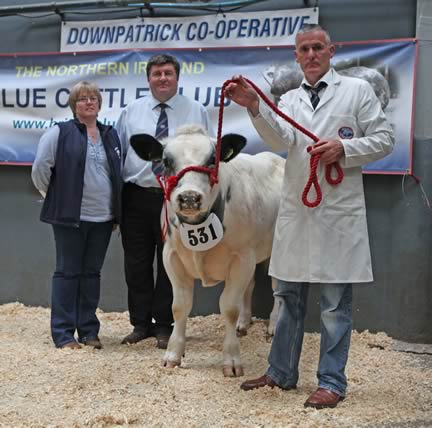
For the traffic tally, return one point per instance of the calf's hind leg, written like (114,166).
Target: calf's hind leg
(275,311)
(241,271)
(245,317)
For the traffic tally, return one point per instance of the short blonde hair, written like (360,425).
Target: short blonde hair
(79,90)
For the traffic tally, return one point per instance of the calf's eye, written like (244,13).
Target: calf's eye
(168,164)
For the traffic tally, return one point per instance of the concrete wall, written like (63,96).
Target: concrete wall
(399,302)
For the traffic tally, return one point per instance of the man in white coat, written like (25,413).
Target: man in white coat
(327,245)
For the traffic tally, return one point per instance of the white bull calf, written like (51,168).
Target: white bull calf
(215,233)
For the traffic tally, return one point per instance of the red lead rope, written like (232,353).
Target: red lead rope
(313,179)
(169,183)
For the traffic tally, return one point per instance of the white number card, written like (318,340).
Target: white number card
(202,237)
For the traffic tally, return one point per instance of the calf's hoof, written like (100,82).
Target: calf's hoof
(171,364)
(241,332)
(268,337)
(232,371)
(171,360)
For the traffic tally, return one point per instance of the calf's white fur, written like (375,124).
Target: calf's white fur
(246,200)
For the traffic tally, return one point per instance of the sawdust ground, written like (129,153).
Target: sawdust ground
(41,386)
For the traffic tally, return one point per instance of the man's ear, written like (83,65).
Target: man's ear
(332,50)
(147,147)
(231,146)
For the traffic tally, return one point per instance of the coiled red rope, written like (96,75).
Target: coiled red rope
(313,179)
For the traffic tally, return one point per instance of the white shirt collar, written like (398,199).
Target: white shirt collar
(170,103)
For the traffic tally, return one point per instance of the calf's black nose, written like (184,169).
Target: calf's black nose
(189,200)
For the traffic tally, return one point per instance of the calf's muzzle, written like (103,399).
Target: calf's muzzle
(189,200)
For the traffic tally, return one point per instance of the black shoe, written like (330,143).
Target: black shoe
(136,336)
(162,340)
(95,343)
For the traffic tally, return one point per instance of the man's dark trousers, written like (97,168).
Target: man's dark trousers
(141,237)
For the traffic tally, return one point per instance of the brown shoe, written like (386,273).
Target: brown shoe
(261,382)
(323,398)
(162,340)
(71,345)
(96,343)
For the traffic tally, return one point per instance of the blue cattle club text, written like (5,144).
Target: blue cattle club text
(112,97)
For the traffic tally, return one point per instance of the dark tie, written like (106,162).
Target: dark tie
(162,123)
(161,132)
(314,97)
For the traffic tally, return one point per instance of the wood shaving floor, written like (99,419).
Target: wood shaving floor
(122,385)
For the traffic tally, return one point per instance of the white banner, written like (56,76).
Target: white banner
(35,88)
(276,28)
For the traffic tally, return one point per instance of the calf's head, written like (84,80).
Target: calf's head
(193,197)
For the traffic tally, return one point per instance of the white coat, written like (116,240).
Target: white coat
(329,243)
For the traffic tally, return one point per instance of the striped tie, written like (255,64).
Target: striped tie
(162,123)
(161,132)
(315,99)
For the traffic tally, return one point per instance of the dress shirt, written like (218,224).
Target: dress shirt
(323,83)
(141,116)
(315,92)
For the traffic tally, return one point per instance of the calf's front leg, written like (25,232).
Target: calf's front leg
(182,305)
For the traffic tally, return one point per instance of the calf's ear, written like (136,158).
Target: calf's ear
(146,147)
(232,145)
